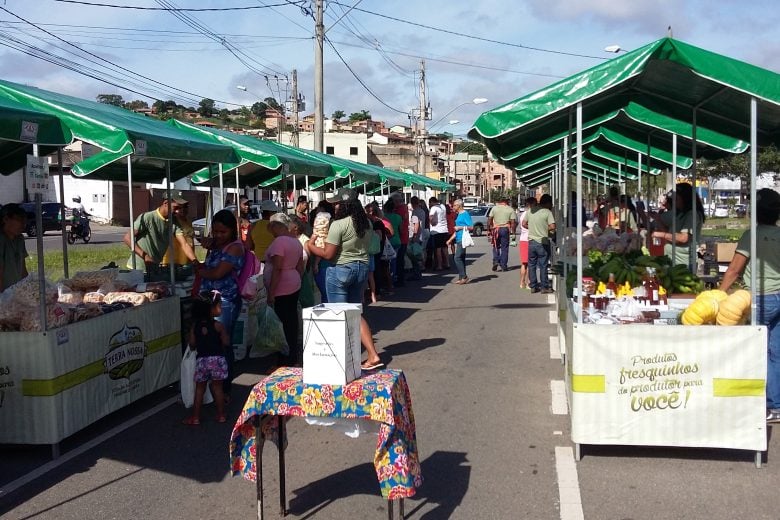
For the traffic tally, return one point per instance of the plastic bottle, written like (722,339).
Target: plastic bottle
(611,291)
(651,286)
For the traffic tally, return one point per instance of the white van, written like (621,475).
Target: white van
(470,202)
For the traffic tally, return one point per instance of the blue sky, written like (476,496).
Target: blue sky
(379,41)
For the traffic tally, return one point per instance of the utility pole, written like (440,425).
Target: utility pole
(319,113)
(421,132)
(295,108)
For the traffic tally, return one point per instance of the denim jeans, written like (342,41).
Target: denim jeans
(346,282)
(501,247)
(460,261)
(319,279)
(538,255)
(400,266)
(228,318)
(768,313)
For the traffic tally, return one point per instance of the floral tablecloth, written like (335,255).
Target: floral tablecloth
(381,396)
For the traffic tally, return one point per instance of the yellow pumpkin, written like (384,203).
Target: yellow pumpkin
(735,309)
(702,311)
(714,293)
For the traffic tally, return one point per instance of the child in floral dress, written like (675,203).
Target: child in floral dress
(209,338)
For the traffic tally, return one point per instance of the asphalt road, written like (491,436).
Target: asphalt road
(477,360)
(101,235)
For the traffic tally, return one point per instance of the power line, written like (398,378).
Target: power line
(191,9)
(471,36)
(459,63)
(360,80)
(234,50)
(109,61)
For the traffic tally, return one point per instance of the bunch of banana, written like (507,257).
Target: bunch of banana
(680,280)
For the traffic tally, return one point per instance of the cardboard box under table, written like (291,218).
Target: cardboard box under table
(331,343)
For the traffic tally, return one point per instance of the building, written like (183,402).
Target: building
(497,176)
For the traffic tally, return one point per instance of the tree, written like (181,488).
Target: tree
(224,115)
(158,107)
(245,113)
(258,109)
(271,102)
(111,99)
(338,114)
(171,106)
(206,107)
(136,104)
(737,166)
(363,115)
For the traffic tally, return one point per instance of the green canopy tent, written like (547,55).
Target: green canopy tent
(157,150)
(683,82)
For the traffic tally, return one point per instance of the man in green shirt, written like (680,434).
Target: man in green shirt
(13,253)
(151,235)
(540,222)
(502,221)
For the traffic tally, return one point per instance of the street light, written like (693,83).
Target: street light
(614,49)
(475,101)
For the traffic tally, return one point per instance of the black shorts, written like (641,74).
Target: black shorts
(440,240)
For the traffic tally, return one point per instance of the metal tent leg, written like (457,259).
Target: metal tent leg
(259,468)
(758,459)
(280,446)
(577,452)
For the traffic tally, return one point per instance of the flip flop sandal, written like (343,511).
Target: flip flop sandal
(191,421)
(371,366)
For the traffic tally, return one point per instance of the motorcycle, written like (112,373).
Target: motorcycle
(79,228)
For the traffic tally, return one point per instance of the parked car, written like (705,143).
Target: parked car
(51,217)
(480,219)
(740,210)
(199,225)
(721,211)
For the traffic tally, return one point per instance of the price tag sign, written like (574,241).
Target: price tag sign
(140,147)
(37,171)
(29,132)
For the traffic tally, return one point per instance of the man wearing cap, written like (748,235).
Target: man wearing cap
(502,221)
(151,230)
(259,238)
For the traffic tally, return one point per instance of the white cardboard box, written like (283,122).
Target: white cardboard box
(331,343)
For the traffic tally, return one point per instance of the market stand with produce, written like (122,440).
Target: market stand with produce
(642,380)
(73,352)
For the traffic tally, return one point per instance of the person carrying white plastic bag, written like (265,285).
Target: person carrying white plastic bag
(187,382)
(210,340)
(462,239)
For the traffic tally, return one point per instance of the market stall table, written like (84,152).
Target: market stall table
(54,383)
(666,385)
(382,396)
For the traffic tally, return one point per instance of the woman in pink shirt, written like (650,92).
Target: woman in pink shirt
(282,279)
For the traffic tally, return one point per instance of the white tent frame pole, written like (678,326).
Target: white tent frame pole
(171,238)
(692,257)
(674,198)
(238,206)
(308,191)
(579,208)
(565,186)
(753,206)
(130,210)
(639,174)
(62,215)
(221,188)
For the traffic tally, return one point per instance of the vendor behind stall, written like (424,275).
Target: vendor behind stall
(151,235)
(13,253)
(187,231)
(680,230)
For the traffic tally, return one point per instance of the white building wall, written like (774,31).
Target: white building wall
(343,144)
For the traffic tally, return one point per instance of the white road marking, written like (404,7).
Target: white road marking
(550,298)
(555,348)
(558,393)
(49,466)
(568,484)
(554,317)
